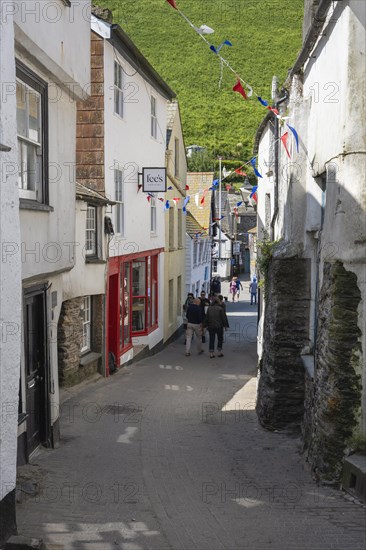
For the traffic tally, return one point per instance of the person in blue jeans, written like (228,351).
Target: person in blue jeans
(253,288)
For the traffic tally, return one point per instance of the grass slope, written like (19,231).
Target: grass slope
(266,38)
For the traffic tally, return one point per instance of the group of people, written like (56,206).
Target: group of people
(201,314)
(209,314)
(236,286)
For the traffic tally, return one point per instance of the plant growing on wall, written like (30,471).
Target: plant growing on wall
(266,249)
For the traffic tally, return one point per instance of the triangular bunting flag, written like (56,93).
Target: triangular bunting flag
(252,162)
(284,142)
(173,4)
(239,88)
(295,135)
(217,50)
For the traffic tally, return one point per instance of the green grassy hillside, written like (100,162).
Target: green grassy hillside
(266,38)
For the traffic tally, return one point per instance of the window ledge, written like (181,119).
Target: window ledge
(89,357)
(27,204)
(94,261)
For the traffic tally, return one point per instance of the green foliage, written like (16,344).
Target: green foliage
(265,248)
(266,38)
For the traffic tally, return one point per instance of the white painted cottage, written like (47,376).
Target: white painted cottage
(44,79)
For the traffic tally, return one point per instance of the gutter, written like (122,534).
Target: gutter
(311,37)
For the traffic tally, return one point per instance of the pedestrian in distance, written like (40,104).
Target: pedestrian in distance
(215,286)
(233,288)
(215,322)
(253,288)
(194,325)
(239,287)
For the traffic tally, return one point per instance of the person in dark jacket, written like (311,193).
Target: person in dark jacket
(221,302)
(205,302)
(215,322)
(215,286)
(194,325)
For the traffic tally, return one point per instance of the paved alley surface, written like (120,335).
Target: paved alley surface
(168,454)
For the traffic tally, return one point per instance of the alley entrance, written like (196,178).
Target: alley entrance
(169,455)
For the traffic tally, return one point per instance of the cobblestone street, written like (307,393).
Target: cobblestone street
(168,454)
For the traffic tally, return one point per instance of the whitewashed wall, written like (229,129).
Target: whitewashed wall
(10,283)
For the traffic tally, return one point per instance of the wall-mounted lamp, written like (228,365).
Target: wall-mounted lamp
(4,148)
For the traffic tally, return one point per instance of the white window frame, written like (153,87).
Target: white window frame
(119,198)
(180,228)
(91,240)
(153,215)
(87,316)
(119,101)
(171,228)
(30,149)
(176,157)
(154,119)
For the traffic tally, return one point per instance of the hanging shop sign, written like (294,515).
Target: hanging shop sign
(154,180)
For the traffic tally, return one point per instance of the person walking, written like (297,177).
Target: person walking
(221,303)
(215,322)
(233,288)
(239,287)
(205,302)
(253,288)
(189,300)
(215,286)
(194,325)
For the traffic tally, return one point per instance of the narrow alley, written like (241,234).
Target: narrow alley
(168,454)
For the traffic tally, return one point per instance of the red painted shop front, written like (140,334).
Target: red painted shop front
(132,304)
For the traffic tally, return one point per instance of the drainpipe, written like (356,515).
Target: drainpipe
(276,151)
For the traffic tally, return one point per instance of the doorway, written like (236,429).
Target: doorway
(36,370)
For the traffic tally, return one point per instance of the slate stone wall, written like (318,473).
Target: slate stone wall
(338,366)
(281,388)
(70,336)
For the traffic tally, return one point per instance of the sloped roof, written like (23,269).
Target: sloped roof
(233,199)
(193,227)
(198,182)
(85,194)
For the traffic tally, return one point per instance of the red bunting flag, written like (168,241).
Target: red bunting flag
(148,198)
(236,213)
(161,199)
(284,141)
(239,88)
(173,4)
(176,199)
(239,172)
(187,187)
(275,111)
(255,196)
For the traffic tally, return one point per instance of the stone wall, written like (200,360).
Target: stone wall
(70,337)
(338,367)
(72,365)
(90,124)
(281,388)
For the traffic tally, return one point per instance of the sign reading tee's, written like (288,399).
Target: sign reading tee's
(154,180)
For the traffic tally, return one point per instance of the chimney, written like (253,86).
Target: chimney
(102,13)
